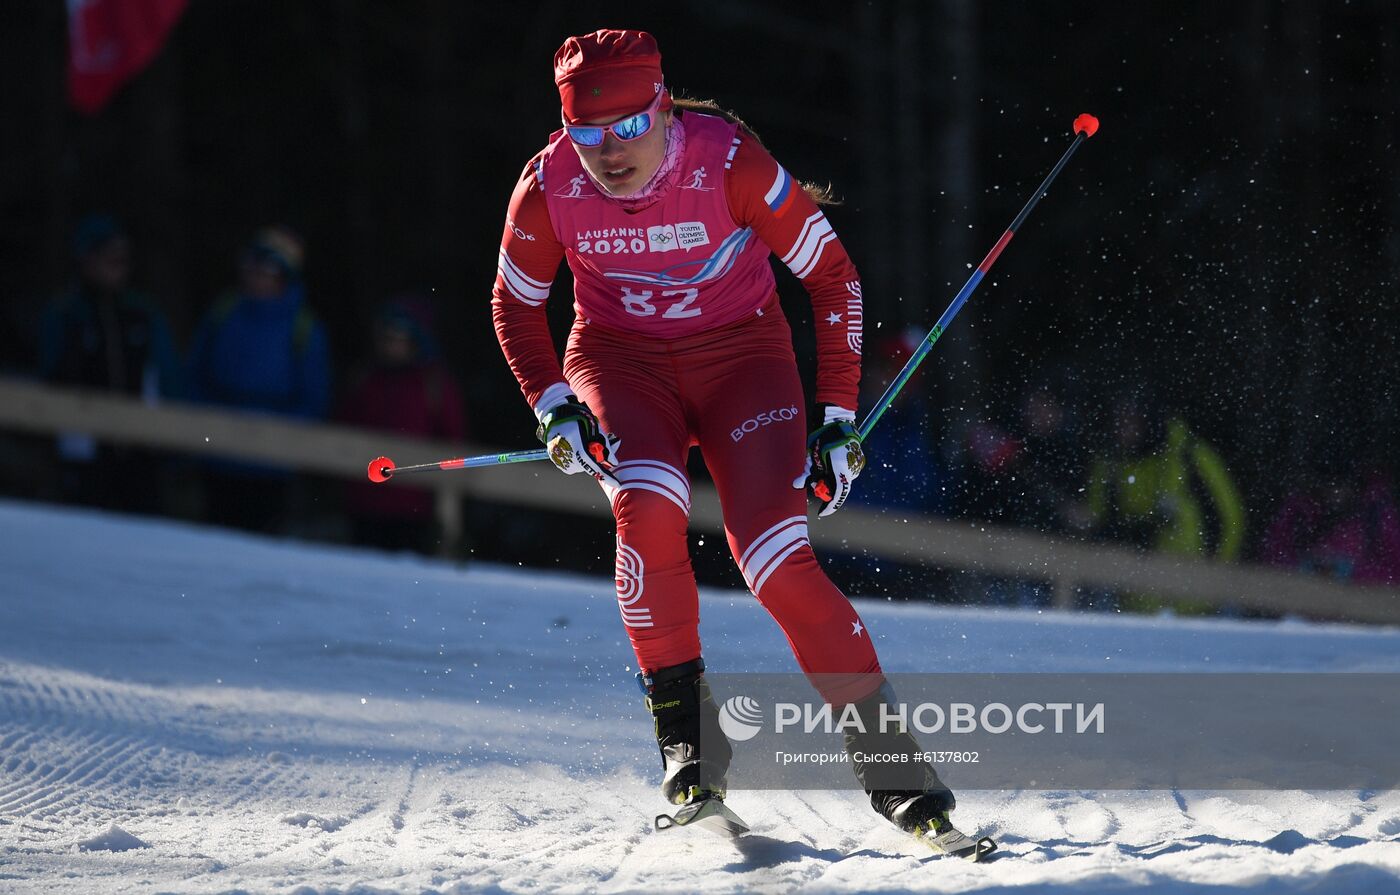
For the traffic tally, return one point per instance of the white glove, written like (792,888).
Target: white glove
(834,459)
(576,442)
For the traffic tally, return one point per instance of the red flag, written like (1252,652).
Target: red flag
(109,41)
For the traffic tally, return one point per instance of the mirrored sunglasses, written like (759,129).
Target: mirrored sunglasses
(626,130)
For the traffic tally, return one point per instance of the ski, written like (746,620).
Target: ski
(953,841)
(710,814)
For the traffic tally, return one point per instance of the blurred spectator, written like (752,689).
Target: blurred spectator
(405,389)
(1030,475)
(101,334)
(1339,530)
(908,467)
(1163,488)
(908,470)
(260,348)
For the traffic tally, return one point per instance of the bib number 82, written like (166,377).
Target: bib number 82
(640,303)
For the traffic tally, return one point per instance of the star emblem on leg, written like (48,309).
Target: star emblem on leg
(856,628)
(833,318)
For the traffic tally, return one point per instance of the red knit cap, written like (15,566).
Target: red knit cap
(607,74)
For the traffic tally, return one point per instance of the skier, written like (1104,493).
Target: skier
(679,341)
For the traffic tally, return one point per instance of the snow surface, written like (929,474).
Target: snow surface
(186,710)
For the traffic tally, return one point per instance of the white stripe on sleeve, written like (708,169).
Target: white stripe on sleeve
(529,290)
(803,258)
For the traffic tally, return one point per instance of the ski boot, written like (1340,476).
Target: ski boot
(907,793)
(683,711)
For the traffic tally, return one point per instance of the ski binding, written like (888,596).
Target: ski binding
(711,814)
(953,841)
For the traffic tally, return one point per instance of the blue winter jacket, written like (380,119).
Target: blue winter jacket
(248,353)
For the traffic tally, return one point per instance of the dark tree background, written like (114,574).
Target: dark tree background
(1231,233)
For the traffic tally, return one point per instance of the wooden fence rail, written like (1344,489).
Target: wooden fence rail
(892,534)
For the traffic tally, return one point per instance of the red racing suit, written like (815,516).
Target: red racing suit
(679,341)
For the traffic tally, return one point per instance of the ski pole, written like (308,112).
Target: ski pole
(381,469)
(1085,126)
